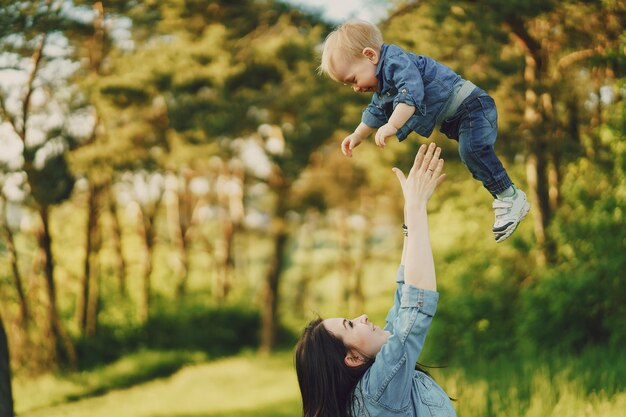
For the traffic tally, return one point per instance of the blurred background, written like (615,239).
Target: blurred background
(175,206)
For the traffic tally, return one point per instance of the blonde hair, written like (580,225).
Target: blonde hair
(350,39)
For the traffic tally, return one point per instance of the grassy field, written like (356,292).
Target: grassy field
(248,385)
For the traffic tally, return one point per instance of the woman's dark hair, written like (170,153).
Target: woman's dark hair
(326,382)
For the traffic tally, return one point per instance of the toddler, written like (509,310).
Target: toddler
(416,93)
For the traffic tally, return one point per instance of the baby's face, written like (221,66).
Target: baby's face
(359,73)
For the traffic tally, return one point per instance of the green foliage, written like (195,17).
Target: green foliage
(478,317)
(255,76)
(217,332)
(581,300)
(125,95)
(51,183)
(212,330)
(501,301)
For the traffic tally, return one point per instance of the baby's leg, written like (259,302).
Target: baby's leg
(477,136)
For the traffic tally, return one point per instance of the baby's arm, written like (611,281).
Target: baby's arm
(398,118)
(352,141)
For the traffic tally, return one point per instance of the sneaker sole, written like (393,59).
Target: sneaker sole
(505,235)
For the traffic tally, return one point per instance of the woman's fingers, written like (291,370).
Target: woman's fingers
(419,157)
(426,159)
(441,178)
(437,173)
(428,156)
(434,162)
(438,168)
(400,176)
(425,176)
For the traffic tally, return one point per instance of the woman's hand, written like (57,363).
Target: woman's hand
(423,178)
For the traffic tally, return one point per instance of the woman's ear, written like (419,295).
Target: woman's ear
(370,54)
(353,359)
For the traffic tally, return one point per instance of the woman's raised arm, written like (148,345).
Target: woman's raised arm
(417,188)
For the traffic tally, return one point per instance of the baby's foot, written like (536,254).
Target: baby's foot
(510,211)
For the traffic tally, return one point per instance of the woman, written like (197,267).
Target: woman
(350,368)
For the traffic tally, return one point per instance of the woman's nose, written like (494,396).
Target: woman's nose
(363,318)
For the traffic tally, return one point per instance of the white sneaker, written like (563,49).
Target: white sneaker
(509,213)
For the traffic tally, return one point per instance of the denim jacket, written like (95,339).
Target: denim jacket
(416,80)
(392,386)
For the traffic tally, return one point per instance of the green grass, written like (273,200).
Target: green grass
(250,386)
(244,386)
(537,391)
(54,389)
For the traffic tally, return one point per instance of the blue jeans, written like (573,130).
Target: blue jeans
(475,126)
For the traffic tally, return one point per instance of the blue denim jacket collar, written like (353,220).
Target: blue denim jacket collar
(380,65)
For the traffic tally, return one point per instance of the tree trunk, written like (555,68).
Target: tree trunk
(93,307)
(6,393)
(227,263)
(93,304)
(345,264)
(146,221)
(17,277)
(230,197)
(63,347)
(116,238)
(573,121)
(367,207)
(92,232)
(534,165)
(306,242)
(553,148)
(542,178)
(278,232)
(532,179)
(183,268)
(180,214)
(270,292)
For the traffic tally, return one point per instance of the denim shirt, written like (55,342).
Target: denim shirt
(416,80)
(392,386)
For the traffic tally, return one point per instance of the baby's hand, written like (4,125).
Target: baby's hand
(383,133)
(350,143)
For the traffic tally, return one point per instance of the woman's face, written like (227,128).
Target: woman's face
(359,335)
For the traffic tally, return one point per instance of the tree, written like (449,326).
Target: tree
(302,119)
(231,68)
(558,65)
(555,40)
(8,235)
(28,29)
(6,394)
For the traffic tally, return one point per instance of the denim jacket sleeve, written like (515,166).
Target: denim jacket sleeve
(393,311)
(373,115)
(388,382)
